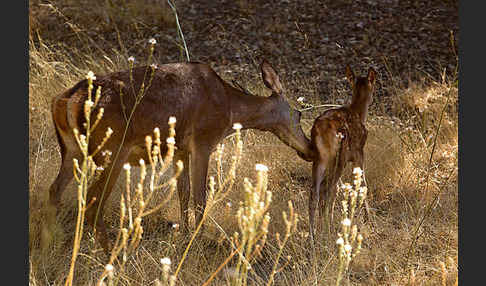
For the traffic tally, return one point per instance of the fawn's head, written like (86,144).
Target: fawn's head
(362,87)
(284,121)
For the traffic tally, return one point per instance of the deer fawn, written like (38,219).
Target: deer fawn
(338,136)
(206,108)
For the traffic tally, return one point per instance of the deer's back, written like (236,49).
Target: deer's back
(329,126)
(192,92)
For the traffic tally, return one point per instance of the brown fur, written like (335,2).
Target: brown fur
(205,107)
(333,153)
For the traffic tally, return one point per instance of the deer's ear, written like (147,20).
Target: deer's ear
(371,75)
(270,77)
(349,75)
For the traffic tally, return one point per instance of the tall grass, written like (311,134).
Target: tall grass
(86,172)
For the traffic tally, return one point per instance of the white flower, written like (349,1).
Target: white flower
(348,247)
(300,99)
(180,165)
(346,187)
(89,103)
(363,190)
(109,267)
(153,66)
(171,140)
(127,166)
(172,120)
(165,261)
(237,126)
(90,76)
(345,205)
(346,222)
(358,171)
(261,167)
(340,241)
(152,41)
(131,59)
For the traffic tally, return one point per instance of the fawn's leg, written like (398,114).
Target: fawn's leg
(318,170)
(326,205)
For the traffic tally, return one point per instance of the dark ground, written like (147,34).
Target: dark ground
(406,40)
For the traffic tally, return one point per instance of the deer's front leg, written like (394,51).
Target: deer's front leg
(183,189)
(199,171)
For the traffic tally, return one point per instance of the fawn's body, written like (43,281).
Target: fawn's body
(205,107)
(338,136)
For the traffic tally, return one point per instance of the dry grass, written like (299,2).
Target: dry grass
(410,168)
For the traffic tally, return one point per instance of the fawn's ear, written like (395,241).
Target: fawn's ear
(371,76)
(270,77)
(349,75)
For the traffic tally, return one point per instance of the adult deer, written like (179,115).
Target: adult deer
(206,108)
(338,136)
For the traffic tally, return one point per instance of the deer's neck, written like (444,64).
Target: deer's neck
(251,111)
(360,107)
(255,112)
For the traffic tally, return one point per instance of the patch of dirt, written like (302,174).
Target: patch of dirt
(318,38)
(405,41)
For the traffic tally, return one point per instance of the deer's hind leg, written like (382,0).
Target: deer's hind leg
(64,177)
